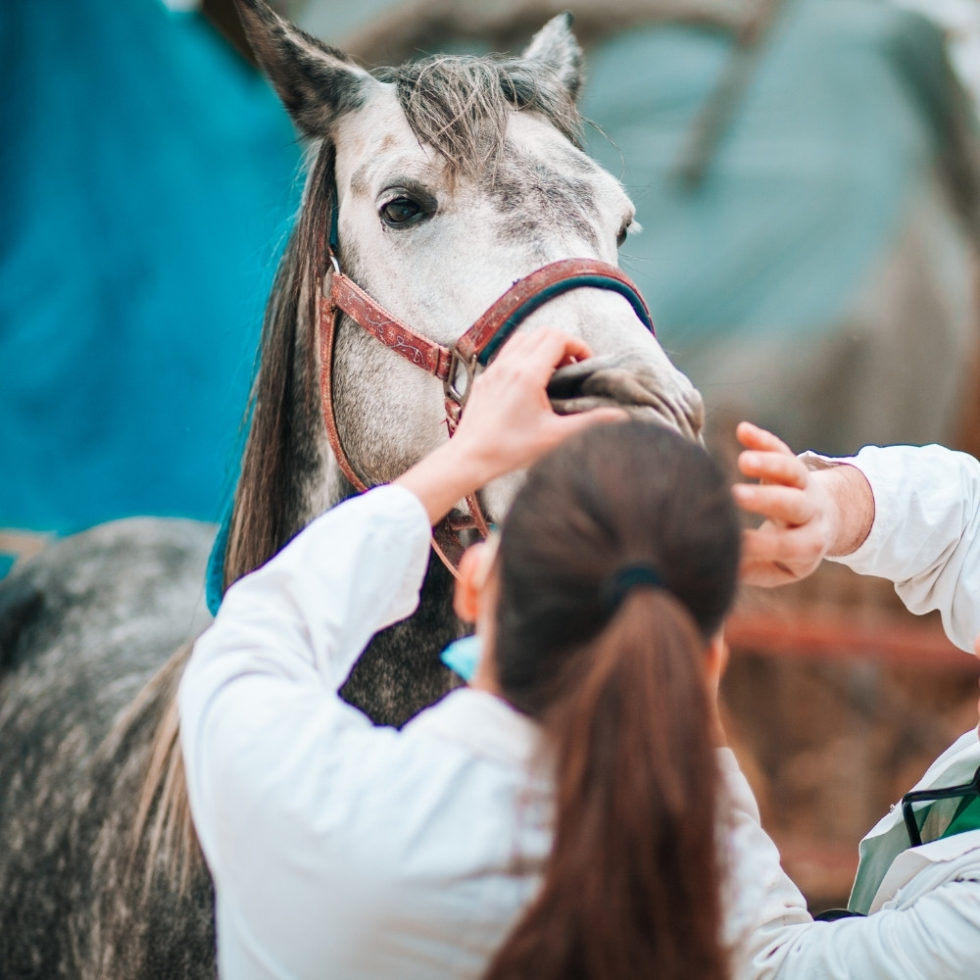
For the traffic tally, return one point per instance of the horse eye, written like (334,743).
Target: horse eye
(401,211)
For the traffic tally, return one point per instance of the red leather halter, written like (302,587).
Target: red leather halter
(455,367)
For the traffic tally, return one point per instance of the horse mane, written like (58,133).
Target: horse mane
(456,104)
(280,451)
(162,806)
(279,454)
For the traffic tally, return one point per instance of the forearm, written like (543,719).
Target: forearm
(936,936)
(851,500)
(446,476)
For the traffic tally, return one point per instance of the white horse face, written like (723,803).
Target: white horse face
(437,241)
(437,249)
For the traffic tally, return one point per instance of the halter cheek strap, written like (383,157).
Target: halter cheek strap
(445,536)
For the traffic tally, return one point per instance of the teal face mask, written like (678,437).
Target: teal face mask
(463,656)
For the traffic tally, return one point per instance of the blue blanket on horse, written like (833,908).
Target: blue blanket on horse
(145,189)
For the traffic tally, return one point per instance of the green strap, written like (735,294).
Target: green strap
(967,817)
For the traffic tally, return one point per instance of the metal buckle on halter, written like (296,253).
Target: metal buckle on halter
(458,383)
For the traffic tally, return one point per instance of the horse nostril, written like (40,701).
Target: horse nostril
(568,382)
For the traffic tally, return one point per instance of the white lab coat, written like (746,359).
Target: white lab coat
(339,849)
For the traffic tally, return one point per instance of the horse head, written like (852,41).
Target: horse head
(432,188)
(446,180)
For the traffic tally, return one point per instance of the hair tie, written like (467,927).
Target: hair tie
(621,582)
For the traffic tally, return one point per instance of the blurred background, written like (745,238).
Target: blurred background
(807,176)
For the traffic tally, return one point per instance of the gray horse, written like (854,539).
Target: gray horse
(447,180)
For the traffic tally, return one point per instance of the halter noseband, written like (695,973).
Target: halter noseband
(455,367)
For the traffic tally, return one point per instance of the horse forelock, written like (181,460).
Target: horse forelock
(459,104)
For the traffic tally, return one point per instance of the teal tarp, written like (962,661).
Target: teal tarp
(145,186)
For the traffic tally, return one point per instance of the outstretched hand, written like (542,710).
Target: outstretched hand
(508,422)
(801,515)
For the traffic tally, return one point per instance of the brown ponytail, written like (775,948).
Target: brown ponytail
(632,885)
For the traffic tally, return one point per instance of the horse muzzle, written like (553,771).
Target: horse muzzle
(644,391)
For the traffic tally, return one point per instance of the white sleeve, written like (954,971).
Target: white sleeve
(773,937)
(926,532)
(258,699)
(763,908)
(936,937)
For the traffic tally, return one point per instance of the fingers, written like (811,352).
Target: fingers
(793,548)
(781,495)
(768,458)
(788,545)
(779,503)
(773,467)
(548,349)
(521,371)
(754,437)
(508,404)
(541,351)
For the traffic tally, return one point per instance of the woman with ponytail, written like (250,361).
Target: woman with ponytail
(616,566)
(563,816)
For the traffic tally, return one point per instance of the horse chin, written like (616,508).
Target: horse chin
(603,382)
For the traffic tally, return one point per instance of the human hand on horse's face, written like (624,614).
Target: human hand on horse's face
(508,422)
(801,516)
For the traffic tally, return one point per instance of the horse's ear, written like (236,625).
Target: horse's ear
(316,83)
(555,46)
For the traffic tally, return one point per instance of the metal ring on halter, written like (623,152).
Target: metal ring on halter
(458,364)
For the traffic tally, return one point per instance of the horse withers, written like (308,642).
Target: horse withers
(433,188)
